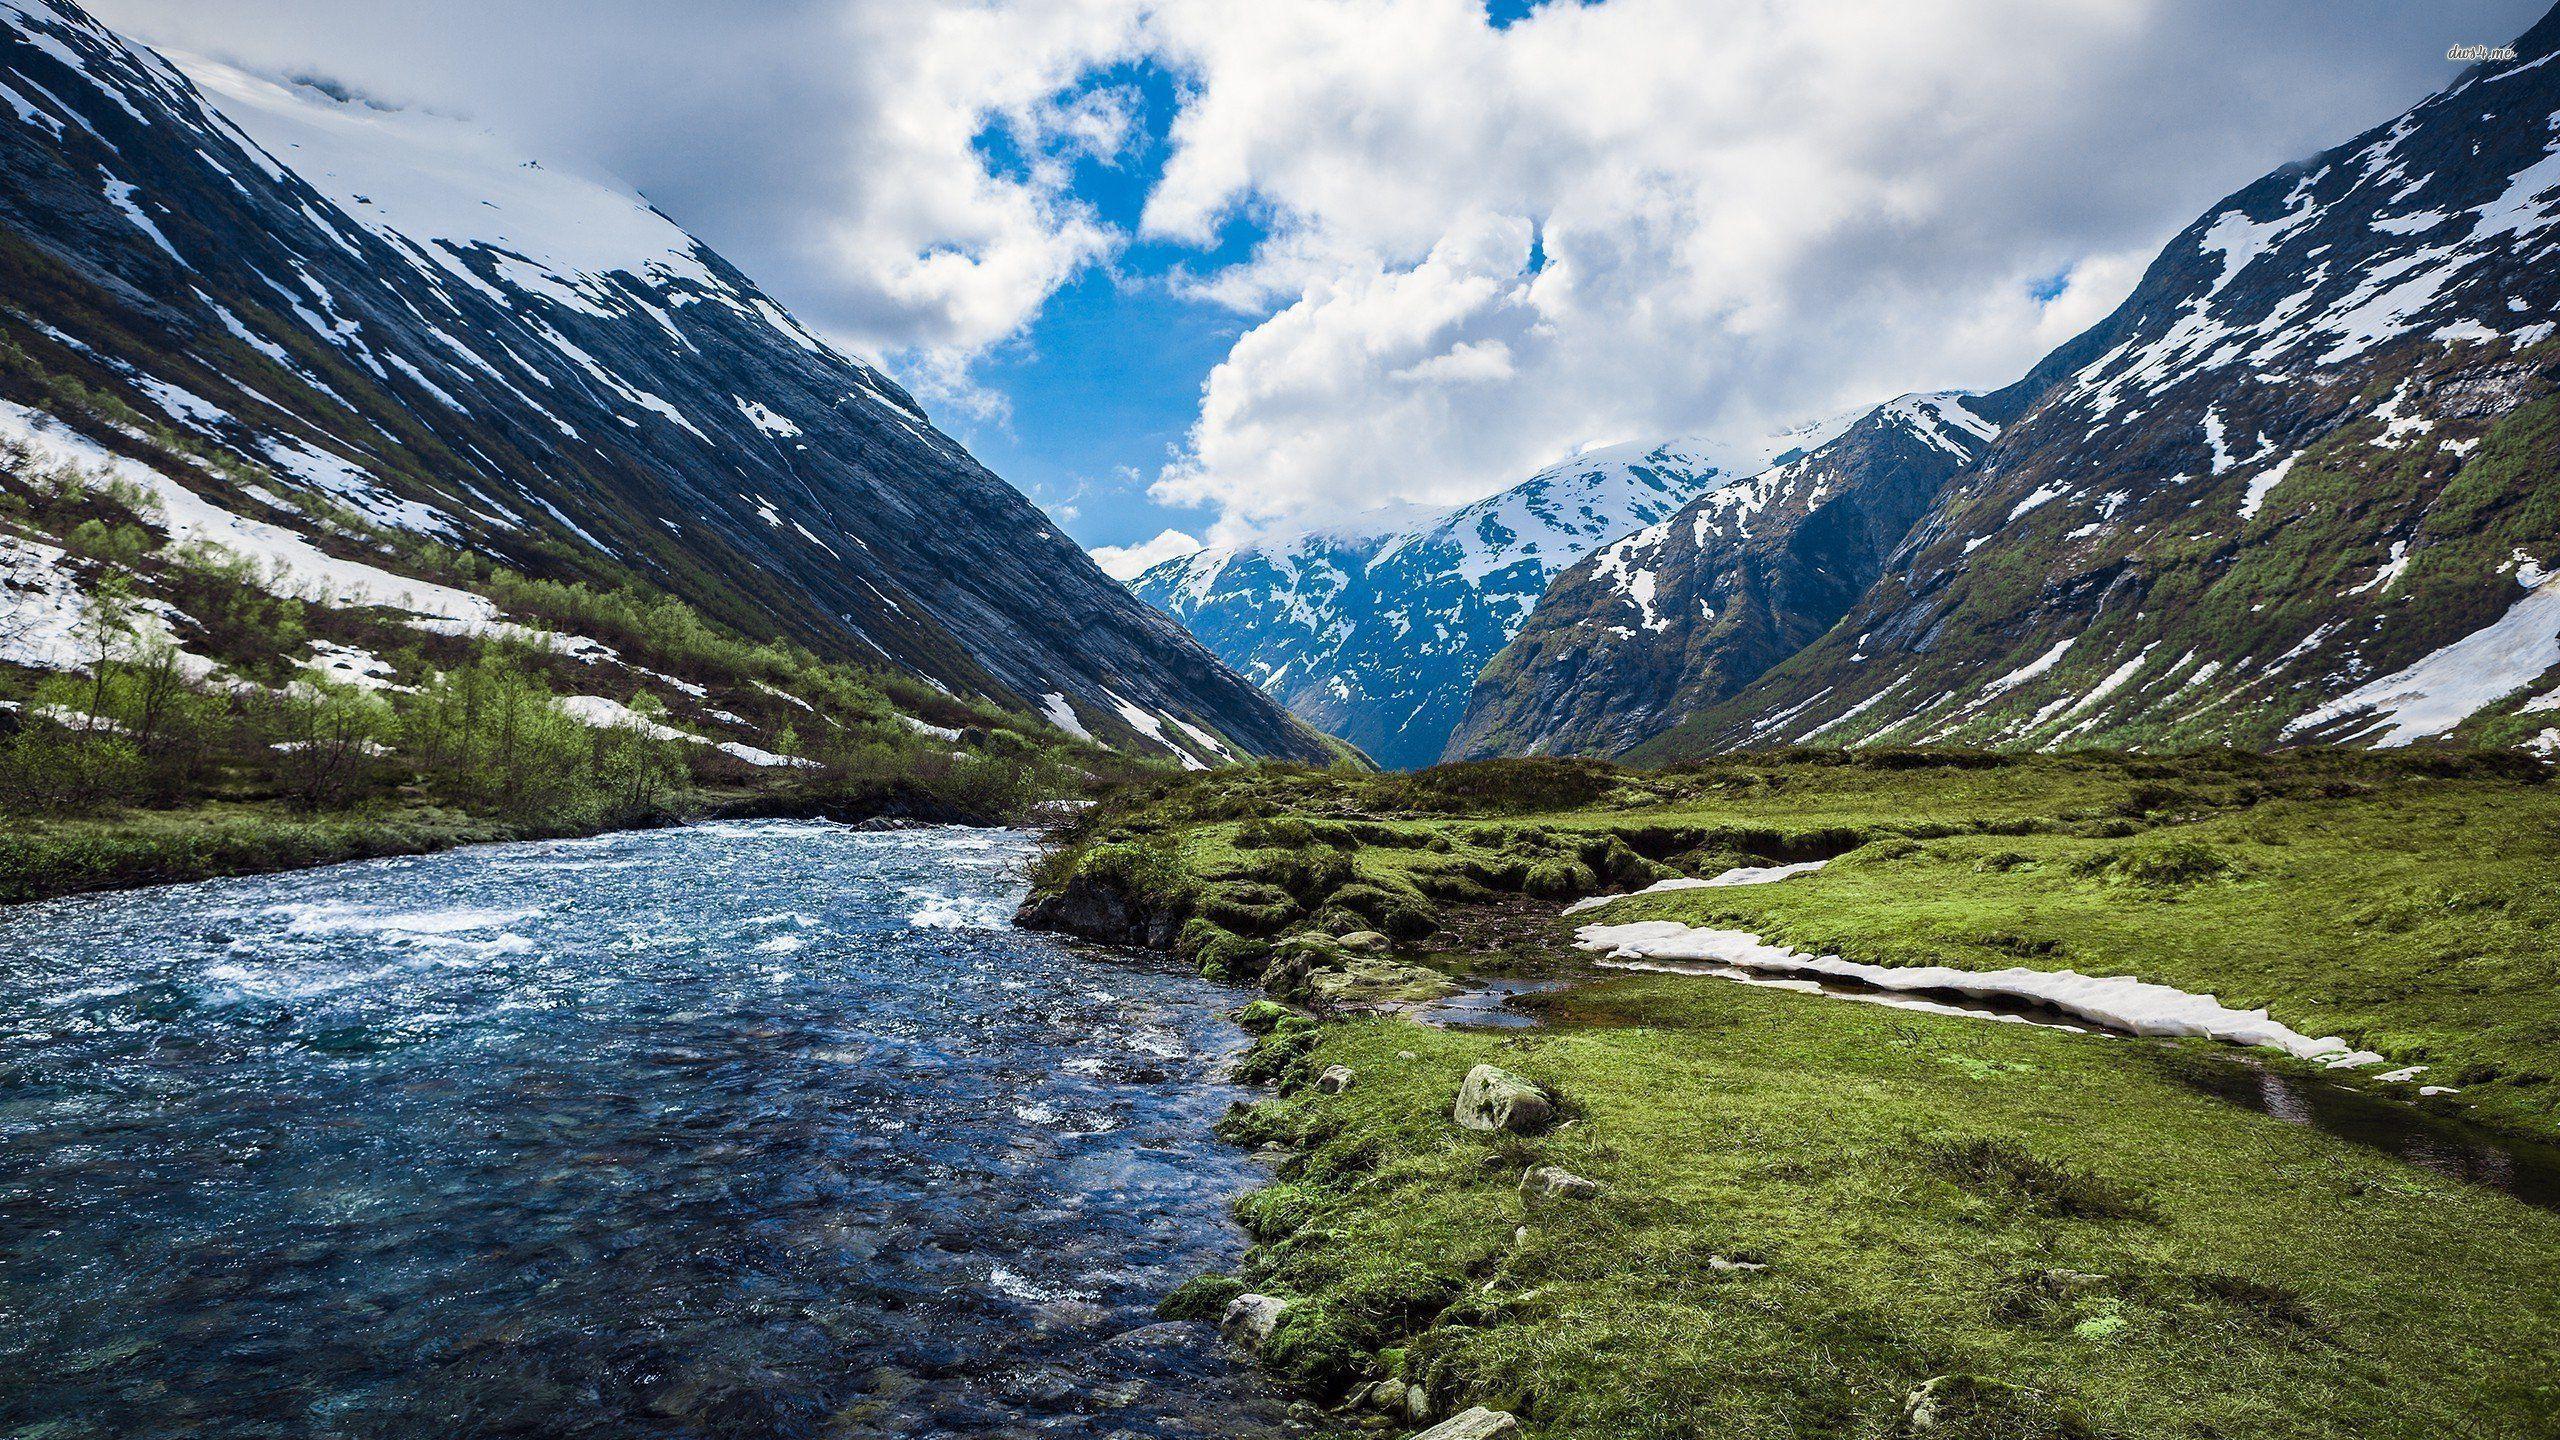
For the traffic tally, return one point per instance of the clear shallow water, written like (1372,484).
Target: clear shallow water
(765,1128)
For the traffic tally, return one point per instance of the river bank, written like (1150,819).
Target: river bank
(44,858)
(1806,1211)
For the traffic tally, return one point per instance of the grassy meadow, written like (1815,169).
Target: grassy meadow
(1809,1209)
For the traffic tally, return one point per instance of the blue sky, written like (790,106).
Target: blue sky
(1098,392)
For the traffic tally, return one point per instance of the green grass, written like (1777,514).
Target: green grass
(2421,921)
(2106,1248)
(1916,1187)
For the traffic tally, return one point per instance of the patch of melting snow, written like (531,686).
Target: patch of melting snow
(1055,708)
(2115,1002)
(1739,875)
(293,566)
(2264,481)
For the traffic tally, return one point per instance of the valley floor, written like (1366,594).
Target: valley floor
(1810,1209)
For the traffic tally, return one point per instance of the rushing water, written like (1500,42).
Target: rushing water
(769,1129)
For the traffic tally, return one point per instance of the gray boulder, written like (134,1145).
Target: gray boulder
(1494,1099)
(1476,1424)
(1961,1405)
(1250,1319)
(1334,1080)
(1554,1182)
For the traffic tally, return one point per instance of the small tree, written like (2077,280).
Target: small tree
(329,735)
(637,765)
(107,624)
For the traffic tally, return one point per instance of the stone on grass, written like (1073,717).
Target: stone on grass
(1250,1318)
(1970,1405)
(1364,942)
(1334,1080)
(1476,1424)
(1554,1182)
(1494,1099)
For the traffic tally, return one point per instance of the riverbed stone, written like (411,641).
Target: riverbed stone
(1493,1099)
(1554,1182)
(1335,1079)
(1365,942)
(1476,1424)
(1250,1319)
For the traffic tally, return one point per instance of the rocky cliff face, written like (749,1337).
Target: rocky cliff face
(1377,635)
(337,312)
(1683,613)
(2309,489)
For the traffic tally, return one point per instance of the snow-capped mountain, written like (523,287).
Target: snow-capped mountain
(303,306)
(1689,609)
(1376,633)
(2306,486)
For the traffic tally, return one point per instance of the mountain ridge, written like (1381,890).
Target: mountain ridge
(650,417)
(2306,491)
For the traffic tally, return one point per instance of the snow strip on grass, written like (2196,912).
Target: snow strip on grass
(2118,1002)
(1741,875)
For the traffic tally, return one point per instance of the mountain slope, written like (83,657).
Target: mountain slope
(1377,636)
(2309,490)
(346,313)
(1686,611)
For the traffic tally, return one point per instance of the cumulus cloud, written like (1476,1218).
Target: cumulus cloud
(1128,562)
(1480,247)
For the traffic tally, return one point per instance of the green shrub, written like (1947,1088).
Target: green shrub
(1231,959)
(1249,907)
(2160,867)
(1261,1017)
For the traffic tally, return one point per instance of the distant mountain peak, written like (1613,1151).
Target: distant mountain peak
(1375,629)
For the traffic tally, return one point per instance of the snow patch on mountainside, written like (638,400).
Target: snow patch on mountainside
(2441,690)
(429,182)
(291,565)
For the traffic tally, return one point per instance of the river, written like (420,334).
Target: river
(767,1128)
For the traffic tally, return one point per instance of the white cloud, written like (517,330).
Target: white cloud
(1748,213)
(1128,562)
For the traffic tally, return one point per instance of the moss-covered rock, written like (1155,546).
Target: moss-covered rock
(1202,1298)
